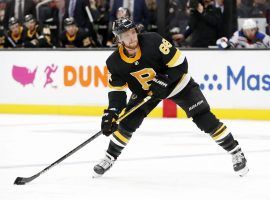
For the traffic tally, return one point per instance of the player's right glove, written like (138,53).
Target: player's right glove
(222,43)
(159,86)
(108,123)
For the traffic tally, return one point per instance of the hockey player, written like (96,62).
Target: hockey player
(248,37)
(15,33)
(73,36)
(145,63)
(3,39)
(32,33)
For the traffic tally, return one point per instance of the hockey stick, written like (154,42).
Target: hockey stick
(91,20)
(23,181)
(10,40)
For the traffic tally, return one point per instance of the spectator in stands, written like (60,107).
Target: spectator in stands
(15,34)
(220,4)
(178,20)
(172,18)
(81,11)
(61,13)
(138,10)
(18,9)
(229,17)
(247,37)
(204,24)
(152,15)
(2,28)
(55,12)
(242,9)
(268,21)
(77,9)
(258,9)
(121,13)
(74,36)
(52,16)
(100,12)
(2,13)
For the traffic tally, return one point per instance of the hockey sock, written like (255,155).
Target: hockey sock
(119,140)
(224,138)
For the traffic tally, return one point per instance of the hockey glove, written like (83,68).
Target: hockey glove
(108,123)
(223,43)
(159,86)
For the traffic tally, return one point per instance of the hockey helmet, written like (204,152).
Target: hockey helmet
(124,11)
(29,18)
(69,21)
(249,24)
(12,21)
(122,25)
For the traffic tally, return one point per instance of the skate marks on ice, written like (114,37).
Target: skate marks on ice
(132,159)
(157,164)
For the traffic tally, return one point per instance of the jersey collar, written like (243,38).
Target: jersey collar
(127,59)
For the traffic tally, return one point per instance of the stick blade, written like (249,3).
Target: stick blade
(19,181)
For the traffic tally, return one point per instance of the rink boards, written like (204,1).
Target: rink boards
(236,83)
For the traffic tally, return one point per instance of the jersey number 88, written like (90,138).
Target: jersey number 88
(165,46)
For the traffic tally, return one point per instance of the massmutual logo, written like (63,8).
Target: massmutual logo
(235,78)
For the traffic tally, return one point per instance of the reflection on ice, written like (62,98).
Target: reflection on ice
(173,160)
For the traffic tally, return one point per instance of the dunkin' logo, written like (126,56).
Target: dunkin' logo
(85,76)
(25,76)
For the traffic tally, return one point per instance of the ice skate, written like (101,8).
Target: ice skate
(239,162)
(104,165)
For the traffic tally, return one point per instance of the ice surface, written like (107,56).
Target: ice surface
(165,159)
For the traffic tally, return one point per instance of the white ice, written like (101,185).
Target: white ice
(165,159)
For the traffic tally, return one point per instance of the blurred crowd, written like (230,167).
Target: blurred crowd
(88,23)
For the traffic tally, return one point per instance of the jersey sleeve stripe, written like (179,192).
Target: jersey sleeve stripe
(181,85)
(177,59)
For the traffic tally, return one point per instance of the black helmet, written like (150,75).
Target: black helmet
(69,21)
(12,21)
(122,25)
(29,18)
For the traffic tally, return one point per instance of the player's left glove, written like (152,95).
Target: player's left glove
(159,86)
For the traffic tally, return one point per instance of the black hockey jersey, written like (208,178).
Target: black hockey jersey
(80,39)
(155,55)
(2,38)
(31,38)
(16,40)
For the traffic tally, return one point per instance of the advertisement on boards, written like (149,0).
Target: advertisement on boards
(229,79)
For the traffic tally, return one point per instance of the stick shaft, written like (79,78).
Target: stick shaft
(26,180)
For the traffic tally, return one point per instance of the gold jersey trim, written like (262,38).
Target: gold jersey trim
(117,88)
(71,38)
(127,59)
(16,38)
(121,137)
(30,34)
